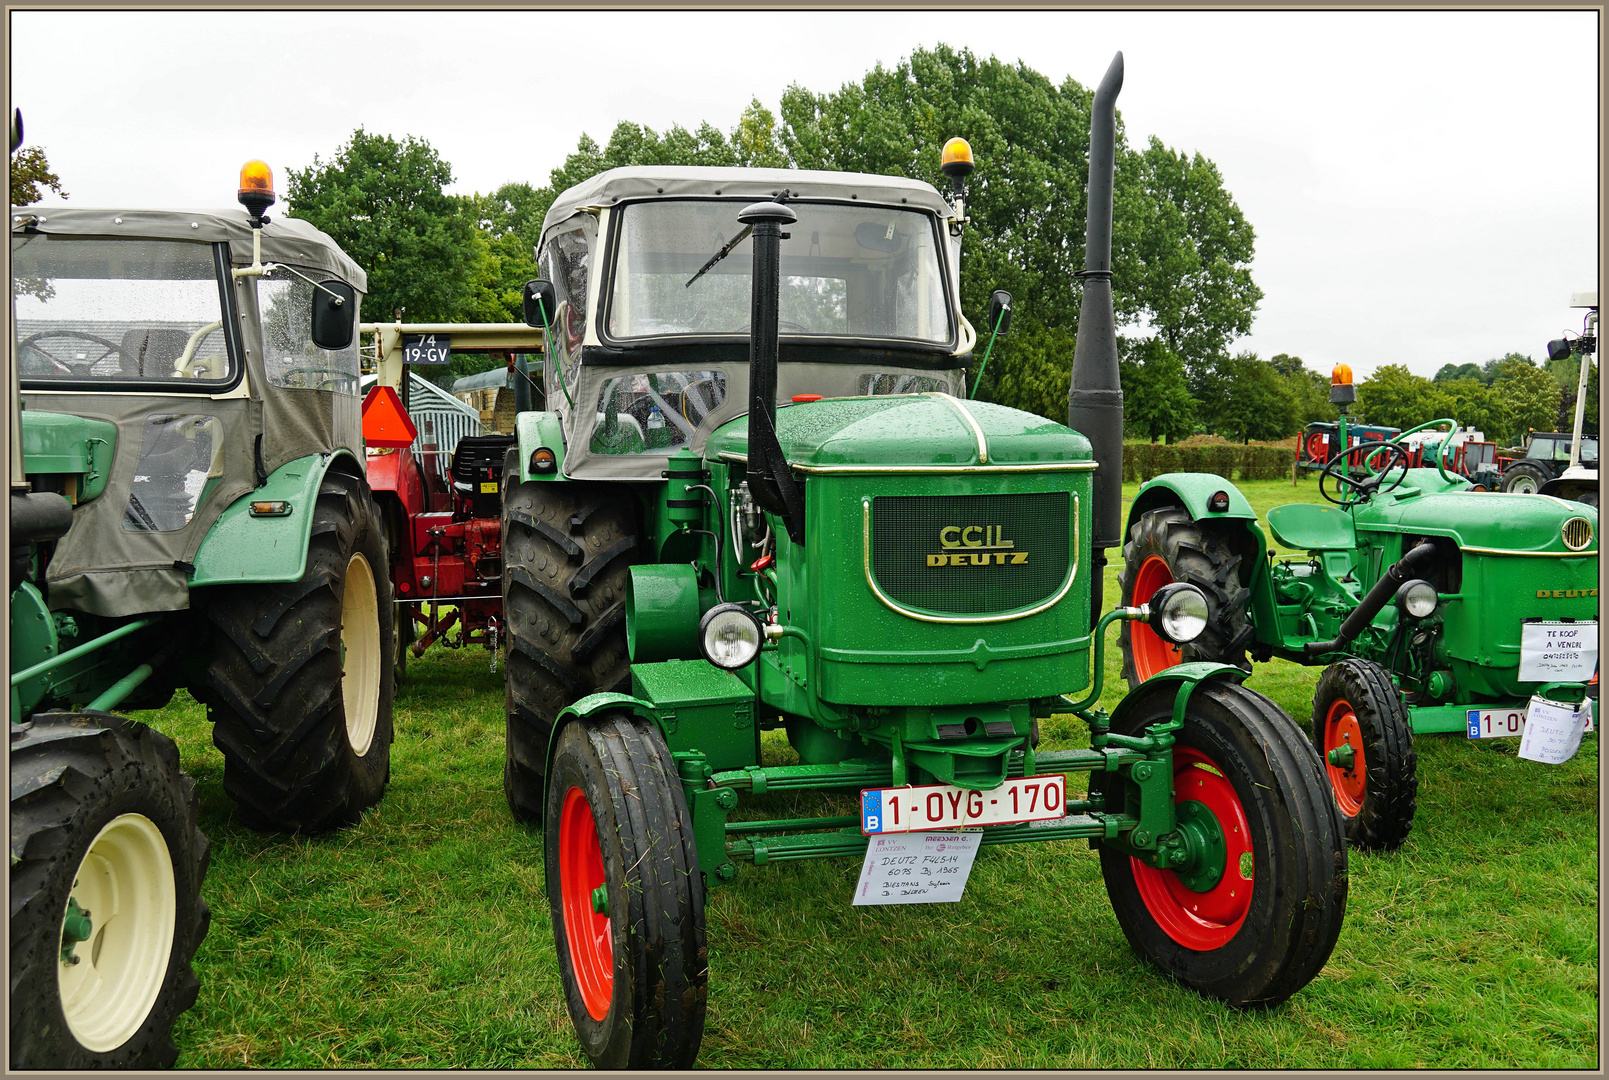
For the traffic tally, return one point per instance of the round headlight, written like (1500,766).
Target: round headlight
(1417,598)
(729,636)
(1178,613)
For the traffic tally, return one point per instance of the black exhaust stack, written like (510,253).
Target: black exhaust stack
(1095,399)
(771,483)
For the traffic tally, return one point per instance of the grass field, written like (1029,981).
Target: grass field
(421,937)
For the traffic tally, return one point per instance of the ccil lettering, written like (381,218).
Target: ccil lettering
(976,545)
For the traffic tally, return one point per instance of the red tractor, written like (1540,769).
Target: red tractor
(440,491)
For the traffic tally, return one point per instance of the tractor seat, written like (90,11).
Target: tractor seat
(1307,527)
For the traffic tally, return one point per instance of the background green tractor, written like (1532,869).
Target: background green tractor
(762,503)
(188,509)
(1414,592)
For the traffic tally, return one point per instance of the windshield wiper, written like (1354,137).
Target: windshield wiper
(719,255)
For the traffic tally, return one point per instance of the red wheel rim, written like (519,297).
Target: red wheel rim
(1202,920)
(1315,446)
(1341,728)
(586,932)
(1151,653)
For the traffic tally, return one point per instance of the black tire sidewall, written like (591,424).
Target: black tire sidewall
(576,764)
(1390,790)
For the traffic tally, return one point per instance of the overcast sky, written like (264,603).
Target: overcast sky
(1424,186)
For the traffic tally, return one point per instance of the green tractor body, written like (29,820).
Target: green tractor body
(188,510)
(762,502)
(1487,564)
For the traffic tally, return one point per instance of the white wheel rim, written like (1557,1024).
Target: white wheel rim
(1524,486)
(360,654)
(126,885)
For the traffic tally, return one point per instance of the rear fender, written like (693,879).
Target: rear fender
(241,549)
(596,705)
(1192,491)
(537,429)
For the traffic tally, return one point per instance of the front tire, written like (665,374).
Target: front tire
(1356,708)
(567,554)
(619,838)
(106,907)
(1265,925)
(301,680)
(1167,545)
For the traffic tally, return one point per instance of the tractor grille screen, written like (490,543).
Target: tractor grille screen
(970,554)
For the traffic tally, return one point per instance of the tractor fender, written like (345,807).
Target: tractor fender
(535,429)
(1182,679)
(594,705)
(1191,491)
(241,549)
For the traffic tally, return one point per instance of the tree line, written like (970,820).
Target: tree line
(1181,247)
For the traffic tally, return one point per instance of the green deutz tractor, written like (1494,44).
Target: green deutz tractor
(188,509)
(1413,591)
(764,503)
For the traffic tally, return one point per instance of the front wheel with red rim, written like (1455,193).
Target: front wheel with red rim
(626,895)
(1254,913)
(1362,733)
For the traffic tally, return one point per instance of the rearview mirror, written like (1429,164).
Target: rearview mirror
(540,303)
(874,237)
(1000,312)
(1558,349)
(333,314)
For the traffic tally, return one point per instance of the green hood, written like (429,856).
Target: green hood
(1483,519)
(908,429)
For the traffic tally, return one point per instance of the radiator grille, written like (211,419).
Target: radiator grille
(971,554)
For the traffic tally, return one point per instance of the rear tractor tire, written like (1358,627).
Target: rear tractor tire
(301,678)
(626,896)
(106,907)
(567,555)
(1523,478)
(1167,545)
(1364,739)
(1258,929)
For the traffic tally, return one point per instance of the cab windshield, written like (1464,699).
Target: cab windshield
(848,272)
(98,312)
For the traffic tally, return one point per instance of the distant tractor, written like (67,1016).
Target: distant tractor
(442,507)
(1414,593)
(760,501)
(1579,478)
(188,509)
(1547,457)
(1320,441)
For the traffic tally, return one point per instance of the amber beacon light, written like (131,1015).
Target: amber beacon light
(256,190)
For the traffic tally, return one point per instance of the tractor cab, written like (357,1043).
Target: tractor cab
(649,309)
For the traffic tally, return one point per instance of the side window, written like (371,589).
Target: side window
(289,355)
(176,456)
(565,262)
(655,413)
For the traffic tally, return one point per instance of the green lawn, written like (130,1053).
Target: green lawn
(421,937)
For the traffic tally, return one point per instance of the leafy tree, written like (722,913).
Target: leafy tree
(1253,400)
(1395,397)
(1566,421)
(1459,371)
(1156,398)
(384,202)
(1532,396)
(1309,390)
(1474,404)
(1030,370)
(1491,369)
(1181,247)
(31,176)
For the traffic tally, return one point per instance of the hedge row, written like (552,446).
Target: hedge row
(1143,460)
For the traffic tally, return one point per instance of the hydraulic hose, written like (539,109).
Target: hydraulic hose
(1405,569)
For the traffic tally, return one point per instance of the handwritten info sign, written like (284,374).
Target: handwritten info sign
(916,868)
(1553,730)
(1558,651)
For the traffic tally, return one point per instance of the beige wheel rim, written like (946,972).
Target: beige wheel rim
(360,654)
(125,888)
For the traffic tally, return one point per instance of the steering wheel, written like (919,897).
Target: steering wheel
(1353,491)
(77,367)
